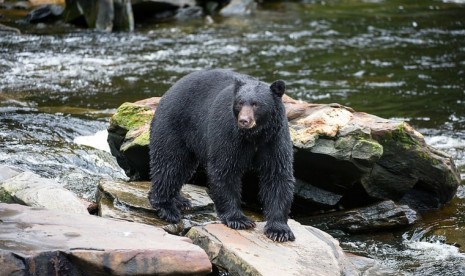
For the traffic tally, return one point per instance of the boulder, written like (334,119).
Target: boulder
(30,189)
(250,252)
(35,241)
(239,7)
(379,216)
(370,267)
(128,137)
(129,201)
(349,157)
(103,15)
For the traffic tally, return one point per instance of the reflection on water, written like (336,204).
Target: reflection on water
(396,59)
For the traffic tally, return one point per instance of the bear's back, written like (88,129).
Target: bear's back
(196,93)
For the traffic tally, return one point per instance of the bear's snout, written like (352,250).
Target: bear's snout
(246,119)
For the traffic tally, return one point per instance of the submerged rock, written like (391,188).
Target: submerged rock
(370,267)
(350,157)
(42,242)
(30,189)
(6,29)
(129,201)
(44,13)
(380,216)
(250,252)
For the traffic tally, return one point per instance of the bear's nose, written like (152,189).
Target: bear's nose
(245,118)
(244,122)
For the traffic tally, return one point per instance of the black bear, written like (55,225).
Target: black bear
(229,123)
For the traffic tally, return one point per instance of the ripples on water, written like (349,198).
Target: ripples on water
(396,59)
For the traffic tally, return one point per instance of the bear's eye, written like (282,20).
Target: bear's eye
(254,104)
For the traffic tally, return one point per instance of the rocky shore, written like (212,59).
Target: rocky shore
(121,15)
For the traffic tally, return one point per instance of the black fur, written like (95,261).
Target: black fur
(196,123)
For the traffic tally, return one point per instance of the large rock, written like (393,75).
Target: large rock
(250,252)
(30,189)
(348,157)
(128,137)
(338,149)
(380,216)
(103,15)
(129,201)
(41,242)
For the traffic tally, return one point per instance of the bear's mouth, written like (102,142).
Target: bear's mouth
(246,124)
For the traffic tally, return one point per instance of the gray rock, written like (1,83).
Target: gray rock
(30,189)
(42,242)
(312,194)
(239,7)
(103,15)
(44,13)
(380,216)
(250,252)
(370,267)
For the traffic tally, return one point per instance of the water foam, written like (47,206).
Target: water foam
(97,140)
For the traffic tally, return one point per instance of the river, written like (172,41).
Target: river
(59,85)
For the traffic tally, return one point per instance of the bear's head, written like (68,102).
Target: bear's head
(256,102)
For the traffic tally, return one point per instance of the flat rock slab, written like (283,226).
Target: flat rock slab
(250,252)
(33,190)
(42,242)
(129,201)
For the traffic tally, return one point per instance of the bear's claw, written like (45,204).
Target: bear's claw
(182,202)
(239,223)
(279,232)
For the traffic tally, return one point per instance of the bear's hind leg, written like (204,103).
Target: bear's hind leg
(168,174)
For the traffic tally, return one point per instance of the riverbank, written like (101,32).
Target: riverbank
(394,60)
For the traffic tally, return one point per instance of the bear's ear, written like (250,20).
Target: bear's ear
(278,87)
(237,85)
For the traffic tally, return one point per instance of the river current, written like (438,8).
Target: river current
(59,85)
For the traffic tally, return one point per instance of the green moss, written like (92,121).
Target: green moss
(130,116)
(5,197)
(401,134)
(143,139)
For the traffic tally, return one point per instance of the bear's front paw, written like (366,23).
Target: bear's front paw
(182,202)
(279,232)
(241,222)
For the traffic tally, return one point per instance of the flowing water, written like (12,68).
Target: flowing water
(396,59)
